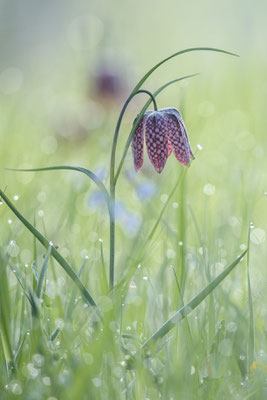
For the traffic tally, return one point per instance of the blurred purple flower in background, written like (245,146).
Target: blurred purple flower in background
(165,132)
(146,190)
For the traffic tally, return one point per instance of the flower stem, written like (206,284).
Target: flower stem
(113,184)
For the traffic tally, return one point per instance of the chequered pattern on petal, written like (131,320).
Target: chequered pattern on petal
(169,148)
(156,140)
(179,140)
(191,155)
(138,145)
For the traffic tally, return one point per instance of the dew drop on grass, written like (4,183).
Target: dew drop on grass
(38,360)
(15,388)
(13,250)
(132,286)
(199,147)
(231,327)
(32,371)
(84,253)
(163,198)
(251,225)
(209,189)
(59,323)
(170,253)
(242,357)
(175,205)
(258,236)
(16,197)
(97,382)
(193,370)
(180,243)
(40,213)
(145,278)
(46,381)
(9,221)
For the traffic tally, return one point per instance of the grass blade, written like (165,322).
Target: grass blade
(251,330)
(123,284)
(184,311)
(40,283)
(5,312)
(178,53)
(64,264)
(85,171)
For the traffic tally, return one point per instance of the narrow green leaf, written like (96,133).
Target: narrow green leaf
(189,307)
(28,293)
(40,283)
(71,304)
(251,329)
(5,329)
(85,171)
(124,283)
(20,347)
(104,281)
(64,264)
(178,53)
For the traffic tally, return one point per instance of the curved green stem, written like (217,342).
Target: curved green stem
(113,179)
(113,183)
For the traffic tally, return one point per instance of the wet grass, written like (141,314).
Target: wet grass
(177,233)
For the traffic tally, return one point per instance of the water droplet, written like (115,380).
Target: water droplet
(163,198)
(97,382)
(9,221)
(40,213)
(59,323)
(46,381)
(199,147)
(15,387)
(251,225)
(193,370)
(175,205)
(38,360)
(180,243)
(170,253)
(123,363)
(145,278)
(132,285)
(231,327)
(242,357)
(209,189)
(258,236)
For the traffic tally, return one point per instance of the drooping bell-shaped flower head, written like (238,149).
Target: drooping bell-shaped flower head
(164,132)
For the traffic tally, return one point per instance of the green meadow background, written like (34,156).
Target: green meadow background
(53,111)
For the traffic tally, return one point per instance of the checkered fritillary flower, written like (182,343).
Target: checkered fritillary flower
(164,132)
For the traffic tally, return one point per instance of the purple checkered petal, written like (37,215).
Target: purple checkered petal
(157,140)
(138,142)
(178,137)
